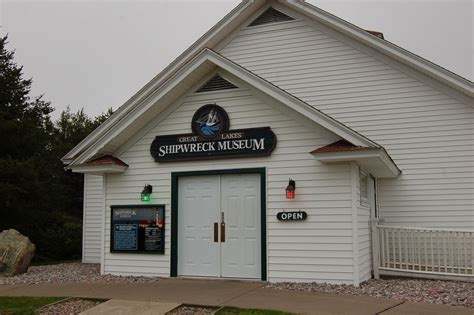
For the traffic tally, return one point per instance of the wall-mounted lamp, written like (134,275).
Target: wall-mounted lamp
(290,189)
(146,192)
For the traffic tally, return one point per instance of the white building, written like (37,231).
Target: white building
(379,143)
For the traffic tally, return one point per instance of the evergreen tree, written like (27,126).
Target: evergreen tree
(70,129)
(37,197)
(25,129)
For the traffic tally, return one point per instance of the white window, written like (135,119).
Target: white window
(364,185)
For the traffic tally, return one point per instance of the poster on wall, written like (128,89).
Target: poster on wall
(138,229)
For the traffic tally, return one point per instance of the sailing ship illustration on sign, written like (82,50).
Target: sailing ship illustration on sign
(210,121)
(209,125)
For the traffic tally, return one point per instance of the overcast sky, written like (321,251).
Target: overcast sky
(97,54)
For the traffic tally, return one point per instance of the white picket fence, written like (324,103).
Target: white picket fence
(433,253)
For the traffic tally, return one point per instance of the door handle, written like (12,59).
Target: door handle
(216,232)
(222,227)
(222,232)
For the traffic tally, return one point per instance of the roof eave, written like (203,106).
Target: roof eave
(375,160)
(99,169)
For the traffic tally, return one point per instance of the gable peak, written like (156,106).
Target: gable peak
(271,15)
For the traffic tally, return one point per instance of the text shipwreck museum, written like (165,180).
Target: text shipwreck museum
(285,145)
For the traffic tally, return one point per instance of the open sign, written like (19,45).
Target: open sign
(292,216)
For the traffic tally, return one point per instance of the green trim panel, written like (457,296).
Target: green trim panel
(174,212)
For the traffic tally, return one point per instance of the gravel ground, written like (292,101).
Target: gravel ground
(411,290)
(67,273)
(69,307)
(191,310)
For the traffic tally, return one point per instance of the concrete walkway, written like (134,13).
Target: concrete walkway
(125,307)
(232,293)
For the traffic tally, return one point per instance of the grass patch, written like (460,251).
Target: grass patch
(24,305)
(241,311)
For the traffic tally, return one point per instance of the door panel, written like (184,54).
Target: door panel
(204,200)
(240,202)
(198,209)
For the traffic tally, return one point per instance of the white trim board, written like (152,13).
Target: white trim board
(84,196)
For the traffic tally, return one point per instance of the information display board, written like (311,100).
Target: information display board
(138,229)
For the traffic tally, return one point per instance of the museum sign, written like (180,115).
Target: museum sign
(211,139)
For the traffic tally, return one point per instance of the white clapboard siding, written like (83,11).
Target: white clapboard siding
(92,218)
(429,134)
(318,249)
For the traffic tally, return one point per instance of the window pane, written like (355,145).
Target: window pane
(363,186)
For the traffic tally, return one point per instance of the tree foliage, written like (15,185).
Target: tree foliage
(37,196)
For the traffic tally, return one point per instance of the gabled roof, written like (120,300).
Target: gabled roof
(231,22)
(210,39)
(109,139)
(423,65)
